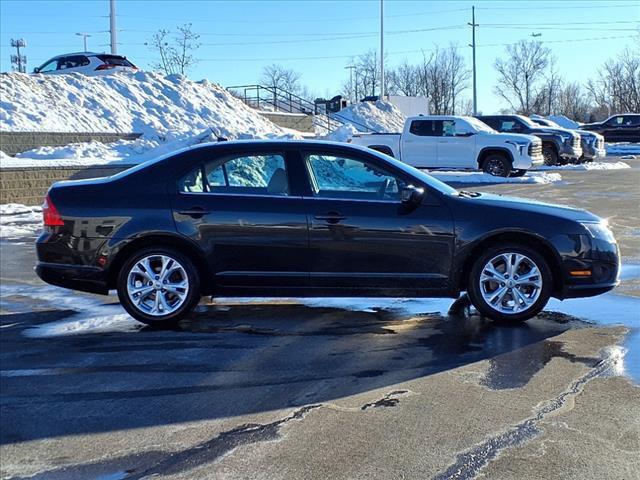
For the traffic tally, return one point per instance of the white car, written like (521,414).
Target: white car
(87,63)
(447,141)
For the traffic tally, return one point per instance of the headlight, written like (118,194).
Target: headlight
(599,230)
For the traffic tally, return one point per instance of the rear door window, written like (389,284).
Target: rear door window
(116,60)
(244,174)
(72,62)
(426,128)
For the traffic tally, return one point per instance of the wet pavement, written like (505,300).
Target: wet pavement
(295,389)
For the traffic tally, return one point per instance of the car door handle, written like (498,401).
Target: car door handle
(195,212)
(331,217)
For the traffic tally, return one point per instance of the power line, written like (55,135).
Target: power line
(559,7)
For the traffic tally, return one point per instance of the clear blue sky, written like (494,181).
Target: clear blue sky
(240,37)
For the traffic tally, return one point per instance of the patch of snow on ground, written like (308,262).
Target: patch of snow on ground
(622,148)
(481,177)
(585,166)
(19,221)
(381,117)
(142,102)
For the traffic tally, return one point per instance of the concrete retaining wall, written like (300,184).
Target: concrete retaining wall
(28,185)
(17,142)
(296,121)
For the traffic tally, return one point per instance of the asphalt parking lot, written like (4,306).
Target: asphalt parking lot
(400,388)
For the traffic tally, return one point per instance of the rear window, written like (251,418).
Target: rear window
(426,128)
(116,60)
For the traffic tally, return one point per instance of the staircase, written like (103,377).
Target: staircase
(271,99)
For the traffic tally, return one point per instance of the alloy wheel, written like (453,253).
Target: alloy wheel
(157,285)
(495,167)
(510,283)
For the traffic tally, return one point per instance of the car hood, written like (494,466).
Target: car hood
(534,206)
(553,131)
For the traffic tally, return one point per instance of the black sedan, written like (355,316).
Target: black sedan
(302,218)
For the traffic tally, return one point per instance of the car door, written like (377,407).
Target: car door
(419,147)
(246,215)
(456,149)
(362,238)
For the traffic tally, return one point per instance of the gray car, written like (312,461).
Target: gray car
(592,143)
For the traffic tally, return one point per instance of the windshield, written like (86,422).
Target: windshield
(479,125)
(419,174)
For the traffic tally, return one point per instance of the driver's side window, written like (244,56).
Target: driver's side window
(351,179)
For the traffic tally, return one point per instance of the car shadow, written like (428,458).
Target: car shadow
(232,359)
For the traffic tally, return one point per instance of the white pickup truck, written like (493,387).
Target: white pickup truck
(446,141)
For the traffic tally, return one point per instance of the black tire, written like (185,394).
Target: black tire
(550,155)
(191,297)
(476,295)
(497,164)
(518,173)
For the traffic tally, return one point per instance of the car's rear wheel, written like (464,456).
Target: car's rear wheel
(550,155)
(510,283)
(158,286)
(497,165)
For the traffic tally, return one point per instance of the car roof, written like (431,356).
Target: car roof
(86,54)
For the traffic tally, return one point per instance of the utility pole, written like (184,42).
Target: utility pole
(112,26)
(84,40)
(381,49)
(350,68)
(473,26)
(19,61)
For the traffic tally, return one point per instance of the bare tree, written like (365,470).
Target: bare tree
(281,78)
(573,102)
(521,73)
(442,77)
(176,53)
(617,86)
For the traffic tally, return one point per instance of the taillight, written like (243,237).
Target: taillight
(105,66)
(50,215)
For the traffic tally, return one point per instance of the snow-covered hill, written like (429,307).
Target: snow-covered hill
(382,117)
(147,103)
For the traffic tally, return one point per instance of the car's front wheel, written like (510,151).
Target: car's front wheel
(497,165)
(158,286)
(510,282)
(550,155)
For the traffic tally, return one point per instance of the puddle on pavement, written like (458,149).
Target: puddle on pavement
(515,369)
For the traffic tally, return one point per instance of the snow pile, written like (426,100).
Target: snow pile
(542,178)
(381,117)
(564,122)
(341,134)
(143,102)
(19,221)
(586,166)
(623,148)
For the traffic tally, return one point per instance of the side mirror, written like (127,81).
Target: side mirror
(36,70)
(411,195)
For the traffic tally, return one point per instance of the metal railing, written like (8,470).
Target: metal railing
(279,100)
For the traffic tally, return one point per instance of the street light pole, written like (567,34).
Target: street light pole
(382,50)
(84,40)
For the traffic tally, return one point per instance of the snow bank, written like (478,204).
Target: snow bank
(480,177)
(19,221)
(143,102)
(341,134)
(622,148)
(564,122)
(381,117)
(586,166)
